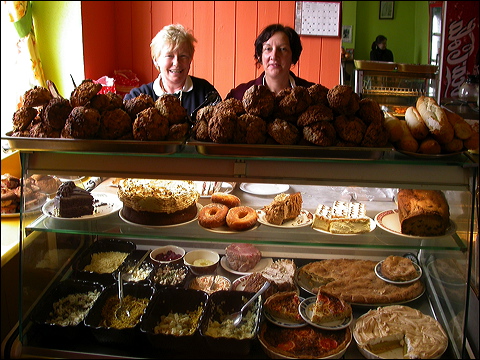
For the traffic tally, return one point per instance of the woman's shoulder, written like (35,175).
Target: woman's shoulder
(238,91)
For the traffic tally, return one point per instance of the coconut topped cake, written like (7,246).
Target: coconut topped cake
(158,202)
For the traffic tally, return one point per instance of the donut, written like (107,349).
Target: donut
(226,199)
(241,218)
(213,215)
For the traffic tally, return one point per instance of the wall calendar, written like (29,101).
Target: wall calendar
(320,18)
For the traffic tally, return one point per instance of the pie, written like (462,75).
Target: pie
(398,268)
(355,281)
(414,334)
(307,342)
(329,308)
(284,305)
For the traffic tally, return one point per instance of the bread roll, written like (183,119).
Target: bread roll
(462,129)
(455,145)
(394,128)
(415,123)
(435,119)
(429,146)
(407,142)
(472,142)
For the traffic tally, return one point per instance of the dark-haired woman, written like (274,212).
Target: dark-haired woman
(277,49)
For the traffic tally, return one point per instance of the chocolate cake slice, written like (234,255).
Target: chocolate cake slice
(72,201)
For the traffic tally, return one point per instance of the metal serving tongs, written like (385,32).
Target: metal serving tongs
(212,98)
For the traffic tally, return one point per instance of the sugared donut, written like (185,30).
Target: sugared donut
(213,215)
(241,218)
(226,199)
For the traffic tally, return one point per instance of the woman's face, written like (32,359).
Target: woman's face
(174,65)
(277,55)
(383,45)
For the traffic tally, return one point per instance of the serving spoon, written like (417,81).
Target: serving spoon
(236,317)
(121,308)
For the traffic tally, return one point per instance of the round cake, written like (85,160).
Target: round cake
(158,202)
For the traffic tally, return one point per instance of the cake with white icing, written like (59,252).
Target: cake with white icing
(158,202)
(342,218)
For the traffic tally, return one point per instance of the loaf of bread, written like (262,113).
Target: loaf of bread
(415,123)
(435,119)
(462,129)
(423,212)
(393,127)
(472,142)
(453,146)
(407,142)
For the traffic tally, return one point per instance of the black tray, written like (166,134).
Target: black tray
(93,145)
(295,151)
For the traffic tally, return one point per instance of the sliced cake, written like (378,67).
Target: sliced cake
(284,207)
(342,218)
(72,201)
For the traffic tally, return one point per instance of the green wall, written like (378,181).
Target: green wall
(407,32)
(58,28)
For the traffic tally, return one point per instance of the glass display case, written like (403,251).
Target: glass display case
(395,86)
(49,247)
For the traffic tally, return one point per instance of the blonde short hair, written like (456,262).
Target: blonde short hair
(173,35)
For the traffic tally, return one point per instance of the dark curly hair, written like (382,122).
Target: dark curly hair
(267,33)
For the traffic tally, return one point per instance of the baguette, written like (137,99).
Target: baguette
(435,119)
(407,142)
(472,142)
(462,129)
(415,123)
(393,126)
(429,146)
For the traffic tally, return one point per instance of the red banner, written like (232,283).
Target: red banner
(460,45)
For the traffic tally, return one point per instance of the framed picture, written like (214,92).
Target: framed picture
(347,33)
(386,10)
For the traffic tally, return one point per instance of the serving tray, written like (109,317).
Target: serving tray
(92,145)
(302,151)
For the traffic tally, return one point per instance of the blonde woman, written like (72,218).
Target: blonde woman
(172,51)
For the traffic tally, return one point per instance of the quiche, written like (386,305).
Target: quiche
(329,308)
(355,281)
(284,305)
(307,342)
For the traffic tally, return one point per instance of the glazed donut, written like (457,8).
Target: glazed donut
(226,199)
(213,215)
(241,218)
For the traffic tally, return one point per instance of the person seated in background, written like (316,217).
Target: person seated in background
(277,49)
(172,52)
(379,50)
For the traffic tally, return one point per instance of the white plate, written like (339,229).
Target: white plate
(378,272)
(71,178)
(303,219)
(388,220)
(262,264)
(226,230)
(263,189)
(373,225)
(199,207)
(283,322)
(306,310)
(203,186)
(104,204)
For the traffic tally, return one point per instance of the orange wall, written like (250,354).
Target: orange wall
(117,35)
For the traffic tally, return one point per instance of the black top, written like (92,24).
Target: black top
(190,100)
(381,55)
